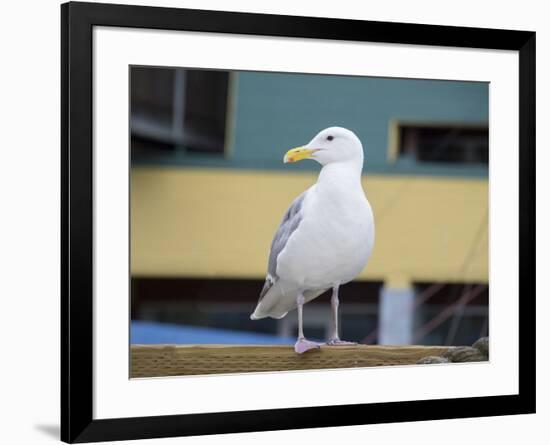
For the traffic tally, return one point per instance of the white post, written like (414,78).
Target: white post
(396,315)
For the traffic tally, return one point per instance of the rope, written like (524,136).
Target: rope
(478,352)
(421,298)
(474,247)
(447,312)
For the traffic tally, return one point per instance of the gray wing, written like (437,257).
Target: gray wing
(291,221)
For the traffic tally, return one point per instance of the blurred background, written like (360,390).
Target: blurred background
(209,188)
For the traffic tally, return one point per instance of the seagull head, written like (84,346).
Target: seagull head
(334,144)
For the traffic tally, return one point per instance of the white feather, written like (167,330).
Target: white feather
(333,241)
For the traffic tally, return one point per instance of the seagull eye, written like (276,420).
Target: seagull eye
(330,138)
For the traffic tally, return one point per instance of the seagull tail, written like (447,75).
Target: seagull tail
(254,316)
(271,303)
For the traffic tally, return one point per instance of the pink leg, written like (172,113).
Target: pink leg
(334,339)
(302,344)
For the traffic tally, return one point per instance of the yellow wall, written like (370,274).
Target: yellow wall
(220,222)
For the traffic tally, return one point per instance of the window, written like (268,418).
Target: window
(175,110)
(452,144)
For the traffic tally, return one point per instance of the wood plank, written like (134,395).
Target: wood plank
(174,360)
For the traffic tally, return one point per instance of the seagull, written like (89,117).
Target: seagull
(325,237)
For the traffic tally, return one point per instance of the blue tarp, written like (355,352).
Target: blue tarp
(147,333)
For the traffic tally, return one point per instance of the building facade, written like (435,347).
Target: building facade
(208,190)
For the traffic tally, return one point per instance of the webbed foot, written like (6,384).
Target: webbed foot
(337,342)
(303,345)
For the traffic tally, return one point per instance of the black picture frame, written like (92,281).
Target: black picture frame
(77,22)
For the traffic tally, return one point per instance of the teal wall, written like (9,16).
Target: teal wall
(274,112)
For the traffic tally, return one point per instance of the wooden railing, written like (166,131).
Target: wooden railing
(174,360)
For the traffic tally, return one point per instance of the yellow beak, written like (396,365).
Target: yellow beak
(297,154)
